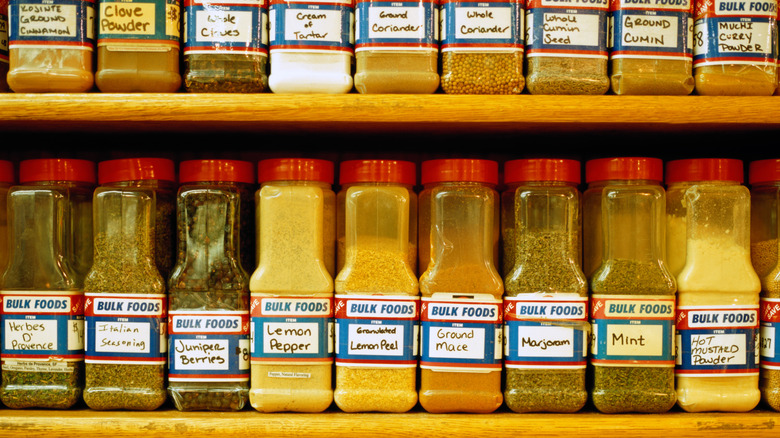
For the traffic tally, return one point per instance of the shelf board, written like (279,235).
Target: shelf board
(84,423)
(356,113)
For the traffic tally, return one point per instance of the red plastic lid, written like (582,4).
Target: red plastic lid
(216,171)
(542,169)
(136,169)
(295,169)
(387,171)
(704,169)
(459,169)
(56,169)
(764,171)
(6,172)
(624,168)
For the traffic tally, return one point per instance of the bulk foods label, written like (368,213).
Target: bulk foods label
(311,26)
(632,330)
(651,29)
(545,331)
(461,333)
(715,340)
(735,32)
(377,330)
(39,325)
(208,346)
(62,24)
(292,330)
(226,27)
(396,25)
(567,28)
(494,26)
(125,328)
(770,325)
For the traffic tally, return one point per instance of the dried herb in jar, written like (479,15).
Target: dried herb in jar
(125,305)
(638,388)
(41,297)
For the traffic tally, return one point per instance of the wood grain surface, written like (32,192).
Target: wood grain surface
(84,423)
(377,113)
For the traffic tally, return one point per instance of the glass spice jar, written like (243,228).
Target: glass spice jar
(651,51)
(51,45)
(376,302)
(708,225)
(311,46)
(7,179)
(225,46)
(208,300)
(4,47)
(138,46)
(633,294)
(396,47)
(461,320)
(735,47)
(125,305)
(765,254)
(566,47)
(482,47)
(546,294)
(42,350)
(292,287)
(158,174)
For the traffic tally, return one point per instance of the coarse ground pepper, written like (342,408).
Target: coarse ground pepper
(125,305)
(765,254)
(209,286)
(633,293)
(375,207)
(292,287)
(461,352)
(546,276)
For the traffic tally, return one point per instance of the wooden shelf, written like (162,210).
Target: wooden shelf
(83,423)
(355,113)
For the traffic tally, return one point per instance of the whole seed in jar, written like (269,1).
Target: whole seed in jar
(482,73)
(576,76)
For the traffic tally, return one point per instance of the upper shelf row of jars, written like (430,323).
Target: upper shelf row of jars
(567,44)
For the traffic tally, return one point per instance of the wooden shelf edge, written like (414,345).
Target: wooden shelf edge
(372,113)
(84,423)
